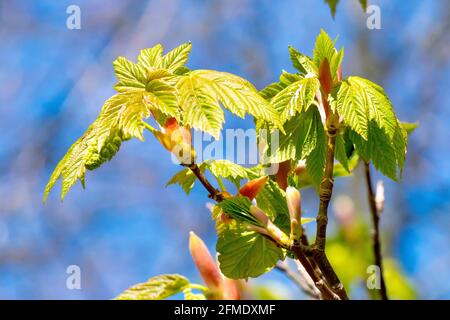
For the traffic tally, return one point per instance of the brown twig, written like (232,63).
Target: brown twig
(216,195)
(213,192)
(326,190)
(307,287)
(376,243)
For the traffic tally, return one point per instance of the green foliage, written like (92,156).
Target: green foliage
(324,49)
(160,85)
(189,295)
(156,288)
(239,209)
(201,91)
(218,168)
(333,5)
(296,97)
(244,253)
(185,178)
(119,120)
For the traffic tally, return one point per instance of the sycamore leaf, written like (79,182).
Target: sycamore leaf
(229,170)
(163,97)
(315,161)
(352,107)
(340,152)
(296,97)
(324,49)
(131,76)
(379,150)
(156,288)
(377,104)
(332,4)
(201,110)
(186,178)
(244,254)
(120,119)
(201,92)
(151,58)
(189,295)
(302,63)
(302,132)
(176,58)
(273,89)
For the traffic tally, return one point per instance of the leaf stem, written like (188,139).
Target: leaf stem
(376,243)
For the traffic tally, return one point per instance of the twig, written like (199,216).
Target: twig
(216,195)
(322,286)
(326,190)
(299,279)
(213,192)
(376,243)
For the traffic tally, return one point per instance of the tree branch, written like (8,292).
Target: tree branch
(376,243)
(306,286)
(216,195)
(326,190)
(213,192)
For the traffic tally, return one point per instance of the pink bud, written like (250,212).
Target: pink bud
(205,264)
(259,215)
(293,199)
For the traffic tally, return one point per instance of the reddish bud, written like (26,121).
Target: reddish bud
(325,78)
(259,215)
(205,264)
(253,187)
(282,174)
(170,126)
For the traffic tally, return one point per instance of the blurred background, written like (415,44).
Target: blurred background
(126,226)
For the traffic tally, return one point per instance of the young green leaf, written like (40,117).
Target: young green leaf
(156,288)
(131,76)
(378,149)
(177,58)
(229,170)
(201,91)
(300,138)
(151,58)
(120,119)
(324,49)
(302,63)
(185,178)
(296,97)
(244,254)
